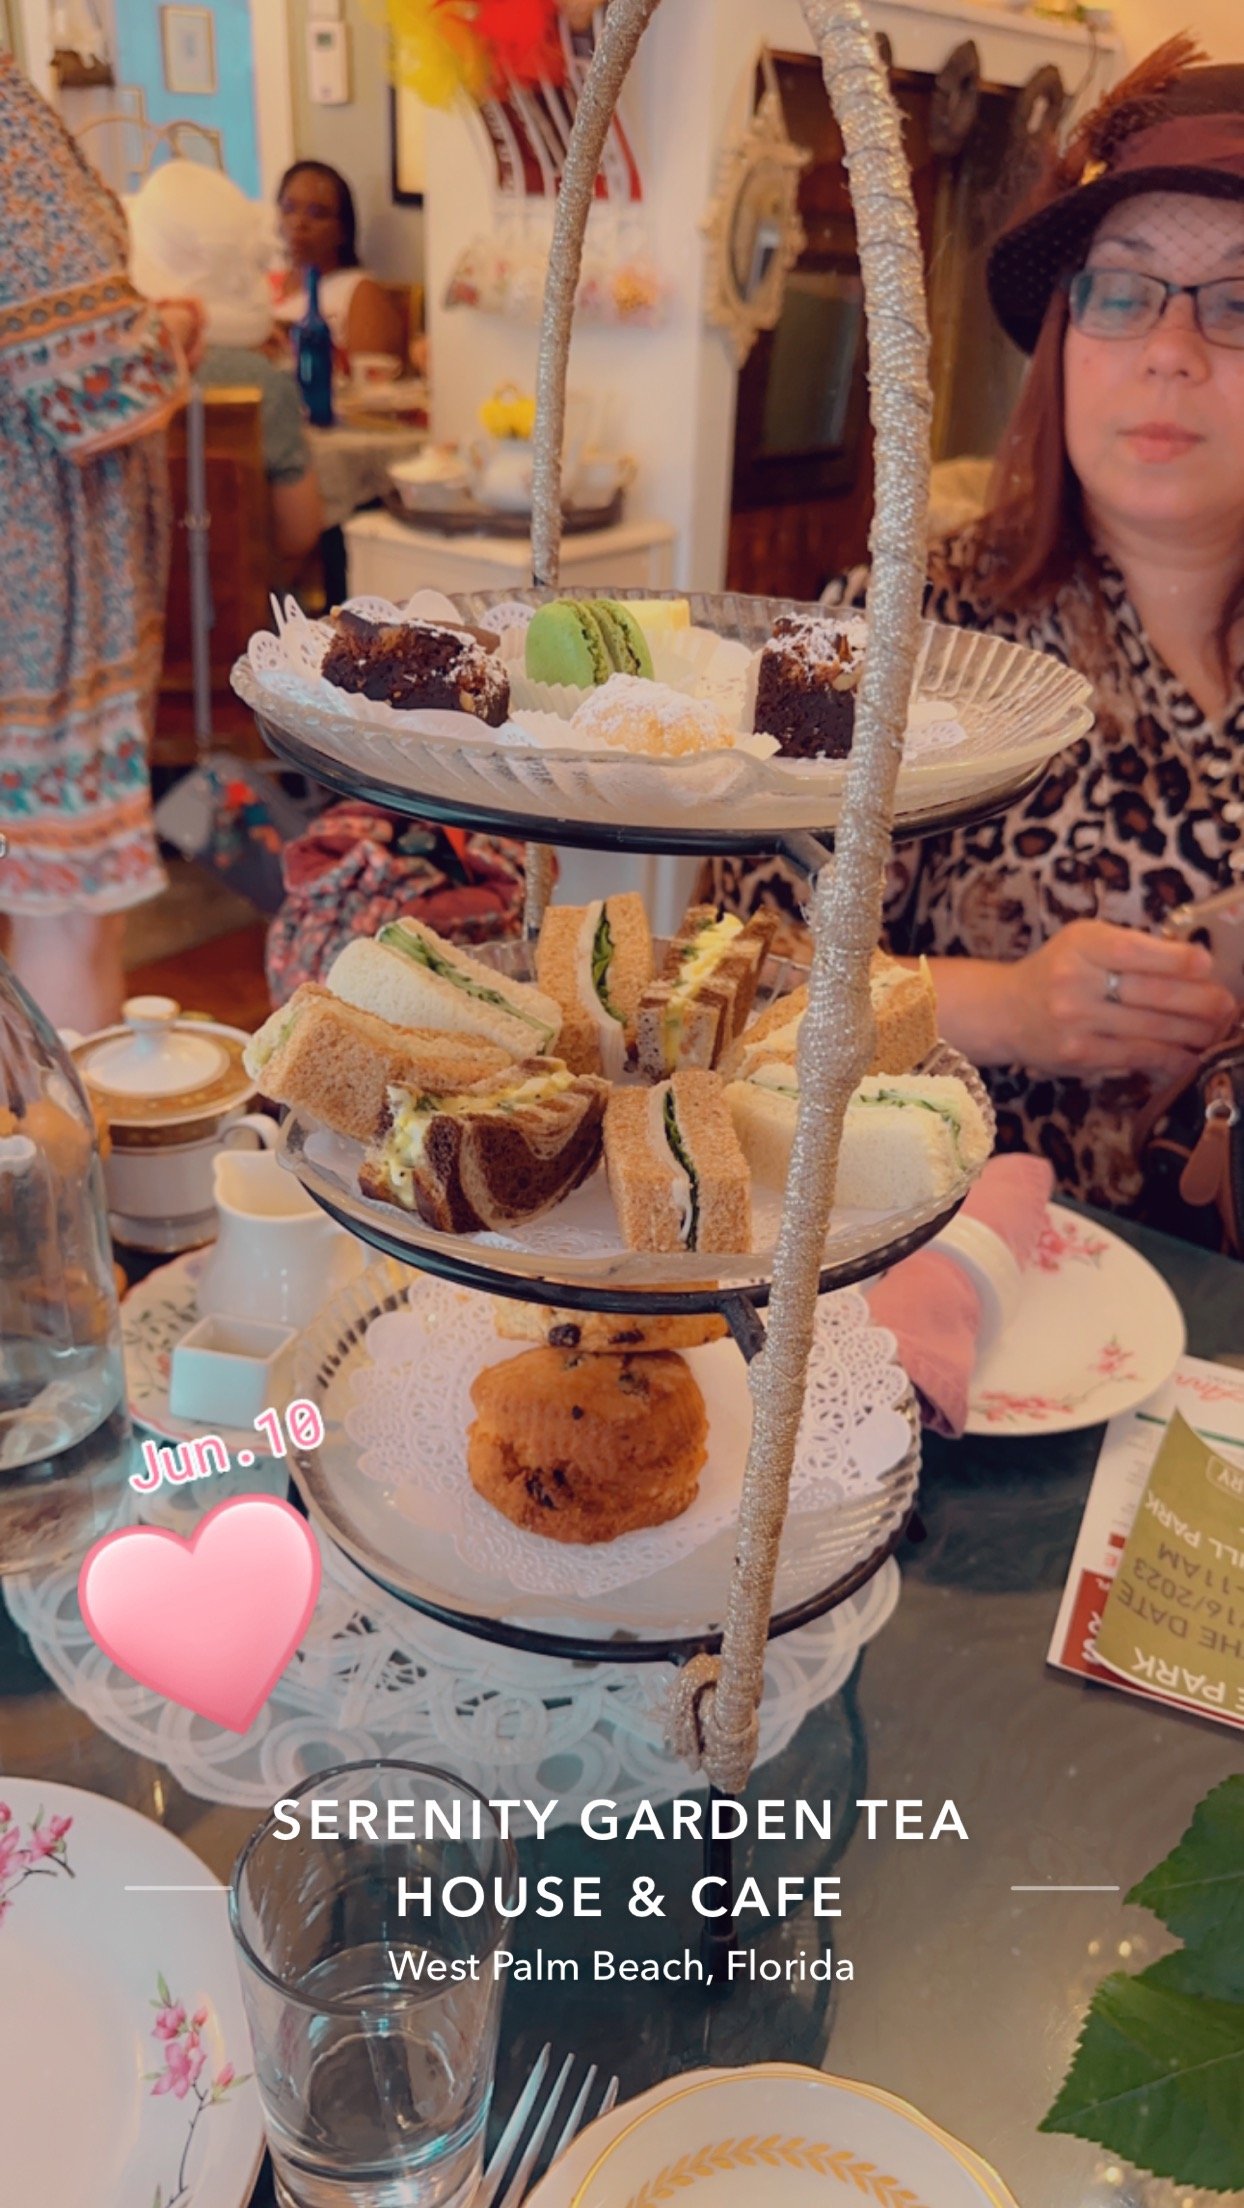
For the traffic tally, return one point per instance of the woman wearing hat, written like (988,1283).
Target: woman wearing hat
(1115,539)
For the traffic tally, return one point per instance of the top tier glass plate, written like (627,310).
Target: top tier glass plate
(1018,709)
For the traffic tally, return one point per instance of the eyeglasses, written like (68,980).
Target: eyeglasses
(314,209)
(1120,302)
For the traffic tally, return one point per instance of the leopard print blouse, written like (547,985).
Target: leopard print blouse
(1141,815)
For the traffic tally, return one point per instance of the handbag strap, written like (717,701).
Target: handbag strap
(1166,1099)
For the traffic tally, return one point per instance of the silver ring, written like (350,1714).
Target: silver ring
(1114,987)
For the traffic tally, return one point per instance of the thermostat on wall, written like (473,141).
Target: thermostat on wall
(328,64)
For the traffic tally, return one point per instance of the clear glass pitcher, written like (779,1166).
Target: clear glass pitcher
(64,1429)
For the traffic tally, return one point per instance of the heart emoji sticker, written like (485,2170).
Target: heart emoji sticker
(211,1621)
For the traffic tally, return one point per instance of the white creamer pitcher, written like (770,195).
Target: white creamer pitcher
(277,1256)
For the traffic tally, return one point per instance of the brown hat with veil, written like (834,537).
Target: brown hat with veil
(1176,124)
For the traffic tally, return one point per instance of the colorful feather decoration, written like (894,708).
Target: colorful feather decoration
(1128,106)
(437,53)
(442,48)
(521,40)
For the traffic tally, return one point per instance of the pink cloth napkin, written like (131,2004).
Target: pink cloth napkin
(932,1307)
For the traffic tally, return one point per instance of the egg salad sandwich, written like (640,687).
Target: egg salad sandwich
(904,1012)
(338,1062)
(691,1015)
(677,1175)
(906,1140)
(410,975)
(490,1156)
(596,961)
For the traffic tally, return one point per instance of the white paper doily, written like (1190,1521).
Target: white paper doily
(704,665)
(411,1406)
(374,1679)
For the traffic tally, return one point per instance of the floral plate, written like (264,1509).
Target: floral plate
(772,2131)
(128,2084)
(1096,1332)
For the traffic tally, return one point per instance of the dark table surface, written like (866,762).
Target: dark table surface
(967,1996)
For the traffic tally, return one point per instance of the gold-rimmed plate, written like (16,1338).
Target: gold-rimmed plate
(774,2130)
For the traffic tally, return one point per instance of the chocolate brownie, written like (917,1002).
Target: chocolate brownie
(805,692)
(417,665)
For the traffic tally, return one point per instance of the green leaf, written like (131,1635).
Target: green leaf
(1158,2077)
(1197,1970)
(1199,1890)
(166,1998)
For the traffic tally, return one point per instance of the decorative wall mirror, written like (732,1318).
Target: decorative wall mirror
(753,229)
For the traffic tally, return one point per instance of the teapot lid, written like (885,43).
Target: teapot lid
(161,1068)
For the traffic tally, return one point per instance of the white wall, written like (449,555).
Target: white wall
(1218,24)
(673,390)
(356,138)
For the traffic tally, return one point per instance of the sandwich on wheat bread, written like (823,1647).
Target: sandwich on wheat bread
(677,1175)
(410,975)
(338,1061)
(493,1155)
(906,1140)
(904,1013)
(596,961)
(693,1012)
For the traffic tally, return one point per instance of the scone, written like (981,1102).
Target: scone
(583,1448)
(598,1331)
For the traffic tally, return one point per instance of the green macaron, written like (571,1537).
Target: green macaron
(565,644)
(625,641)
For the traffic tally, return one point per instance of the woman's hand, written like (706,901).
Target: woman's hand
(1098,999)
(186,323)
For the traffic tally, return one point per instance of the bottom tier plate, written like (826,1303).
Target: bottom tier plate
(399,1528)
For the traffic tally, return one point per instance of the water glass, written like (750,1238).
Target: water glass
(375,2086)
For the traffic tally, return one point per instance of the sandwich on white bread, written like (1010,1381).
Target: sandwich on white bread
(412,976)
(491,1156)
(595,961)
(678,1178)
(700,1003)
(338,1062)
(904,1013)
(906,1139)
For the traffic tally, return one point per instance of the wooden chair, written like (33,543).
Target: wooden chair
(399,298)
(240,565)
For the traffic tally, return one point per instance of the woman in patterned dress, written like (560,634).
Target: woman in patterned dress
(1115,540)
(89,375)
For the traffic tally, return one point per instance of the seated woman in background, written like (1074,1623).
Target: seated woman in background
(194,221)
(315,207)
(1115,540)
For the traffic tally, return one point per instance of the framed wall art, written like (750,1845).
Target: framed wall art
(188,45)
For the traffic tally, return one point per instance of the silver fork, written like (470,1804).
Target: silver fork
(499,2168)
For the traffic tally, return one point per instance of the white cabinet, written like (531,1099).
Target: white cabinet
(390,560)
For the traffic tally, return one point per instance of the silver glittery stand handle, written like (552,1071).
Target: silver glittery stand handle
(713,1717)
(714,1714)
(624,26)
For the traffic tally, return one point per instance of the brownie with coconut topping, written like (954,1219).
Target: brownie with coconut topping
(417,665)
(805,689)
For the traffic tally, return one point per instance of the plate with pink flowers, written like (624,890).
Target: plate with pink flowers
(128,2083)
(1095,1332)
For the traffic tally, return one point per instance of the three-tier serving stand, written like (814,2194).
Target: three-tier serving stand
(714,1722)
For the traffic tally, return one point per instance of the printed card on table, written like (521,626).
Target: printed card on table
(1162,1576)
(1174,1617)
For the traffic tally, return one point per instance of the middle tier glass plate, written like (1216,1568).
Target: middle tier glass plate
(578,1244)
